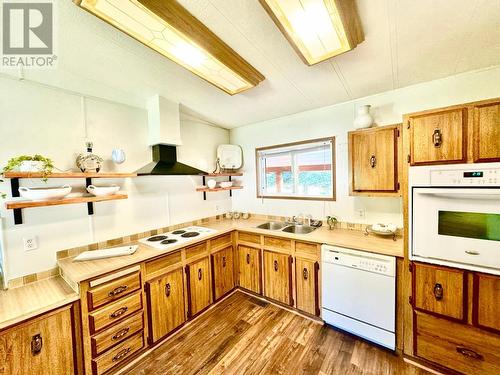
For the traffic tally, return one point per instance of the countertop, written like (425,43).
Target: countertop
(24,302)
(354,239)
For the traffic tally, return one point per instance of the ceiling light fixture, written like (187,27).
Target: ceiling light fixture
(171,30)
(317,29)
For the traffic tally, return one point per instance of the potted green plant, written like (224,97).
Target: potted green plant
(26,163)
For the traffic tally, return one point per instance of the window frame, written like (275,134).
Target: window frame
(297,197)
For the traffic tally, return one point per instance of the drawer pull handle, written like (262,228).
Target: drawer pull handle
(36,344)
(119,312)
(199,274)
(121,354)
(472,252)
(167,290)
(438,292)
(223,261)
(373,161)
(305,273)
(437,138)
(248,258)
(120,334)
(118,290)
(469,353)
(276,265)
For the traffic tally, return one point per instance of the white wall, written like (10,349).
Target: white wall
(337,120)
(39,119)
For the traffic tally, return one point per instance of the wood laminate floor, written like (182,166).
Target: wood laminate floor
(244,335)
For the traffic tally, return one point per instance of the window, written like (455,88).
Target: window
(302,170)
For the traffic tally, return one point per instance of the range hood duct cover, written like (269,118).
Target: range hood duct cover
(165,163)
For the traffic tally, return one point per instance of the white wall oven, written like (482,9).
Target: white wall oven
(454,216)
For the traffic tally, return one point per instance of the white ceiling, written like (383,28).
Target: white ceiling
(406,42)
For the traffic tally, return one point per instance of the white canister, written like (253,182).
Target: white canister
(211,183)
(363,119)
(118,156)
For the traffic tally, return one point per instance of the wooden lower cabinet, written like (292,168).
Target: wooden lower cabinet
(486,302)
(222,272)
(165,296)
(307,286)
(249,266)
(198,287)
(42,345)
(278,277)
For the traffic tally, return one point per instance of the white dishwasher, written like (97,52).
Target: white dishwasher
(359,293)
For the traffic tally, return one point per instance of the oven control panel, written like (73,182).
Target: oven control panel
(466,177)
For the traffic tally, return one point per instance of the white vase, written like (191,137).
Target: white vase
(363,119)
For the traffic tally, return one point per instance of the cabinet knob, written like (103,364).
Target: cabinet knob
(276,265)
(118,290)
(305,273)
(199,273)
(167,289)
(120,333)
(438,292)
(248,258)
(469,353)
(36,344)
(437,138)
(119,312)
(223,261)
(373,161)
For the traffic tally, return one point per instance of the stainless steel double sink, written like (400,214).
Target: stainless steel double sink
(286,227)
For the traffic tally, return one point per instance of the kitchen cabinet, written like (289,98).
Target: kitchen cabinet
(486,131)
(486,302)
(278,277)
(198,287)
(165,296)
(373,160)
(249,268)
(222,272)
(306,284)
(42,345)
(438,137)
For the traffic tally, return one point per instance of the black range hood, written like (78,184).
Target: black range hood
(165,163)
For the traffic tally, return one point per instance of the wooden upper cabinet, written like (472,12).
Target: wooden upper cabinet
(486,143)
(165,296)
(438,137)
(306,283)
(373,163)
(486,309)
(249,265)
(222,272)
(199,285)
(278,277)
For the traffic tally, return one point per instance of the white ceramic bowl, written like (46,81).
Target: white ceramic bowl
(100,191)
(226,184)
(40,194)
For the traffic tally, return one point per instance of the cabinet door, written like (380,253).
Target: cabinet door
(487,132)
(486,309)
(199,284)
(306,276)
(166,304)
(374,161)
(439,137)
(41,346)
(249,268)
(222,272)
(278,277)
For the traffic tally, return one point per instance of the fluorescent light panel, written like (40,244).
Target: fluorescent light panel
(135,19)
(317,29)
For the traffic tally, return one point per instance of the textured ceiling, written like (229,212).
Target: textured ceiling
(406,42)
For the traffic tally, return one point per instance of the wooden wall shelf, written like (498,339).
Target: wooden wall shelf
(68,175)
(206,189)
(62,201)
(224,174)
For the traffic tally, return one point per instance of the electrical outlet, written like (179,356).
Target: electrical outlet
(361,212)
(30,243)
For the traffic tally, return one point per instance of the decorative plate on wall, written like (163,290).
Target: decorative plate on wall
(230,156)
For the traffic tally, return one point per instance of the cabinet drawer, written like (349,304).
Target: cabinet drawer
(157,266)
(249,237)
(221,242)
(196,250)
(113,290)
(305,249)
(439,290)
(457,346)
(116,334)
(114,312)
(118,354)
(278,243)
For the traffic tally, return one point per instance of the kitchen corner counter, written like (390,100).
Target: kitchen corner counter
(354,239)
(28,301)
